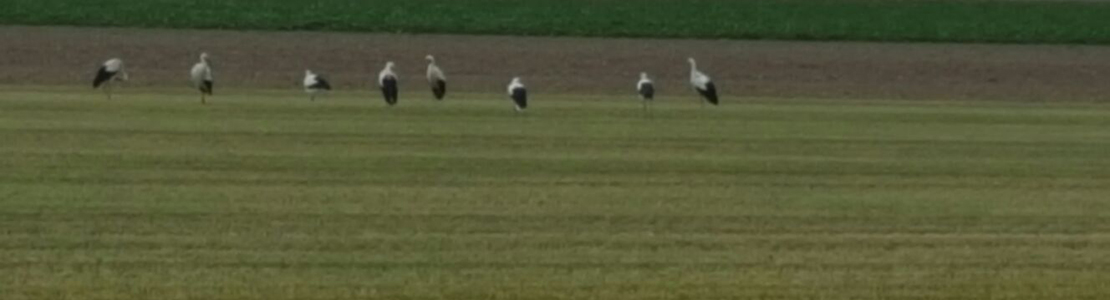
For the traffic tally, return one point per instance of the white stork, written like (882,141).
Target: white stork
(110,71)
(201,74)
(702,84)
(314,84)
(518,94)
(387,80)
(646,88)
(436,78)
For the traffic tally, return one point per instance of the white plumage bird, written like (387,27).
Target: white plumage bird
(518,94)
(436,80)
(314,84)
(111,70)
(201,75)
(646,88)
(702,84)
(387,81)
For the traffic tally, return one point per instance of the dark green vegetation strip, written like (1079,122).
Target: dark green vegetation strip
(154,196)
(936,21)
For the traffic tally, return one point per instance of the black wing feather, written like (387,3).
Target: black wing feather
(710,93)
(520,97)
(206,87)
(647,90)
(102,76)
(439,88)
(320,84)
(389,90)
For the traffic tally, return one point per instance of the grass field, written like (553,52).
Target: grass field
(263,195)
(873,20)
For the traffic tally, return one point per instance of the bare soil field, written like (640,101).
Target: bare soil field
(69,56)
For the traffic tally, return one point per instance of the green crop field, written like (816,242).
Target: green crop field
(263,195)
(872,20)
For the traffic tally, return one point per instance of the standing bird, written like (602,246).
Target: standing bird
(436,78)
(518,94)
(201,74)
(702,84)
(646,88)
(314,84)
(108,73)
(387,80)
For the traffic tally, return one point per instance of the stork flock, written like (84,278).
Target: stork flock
(201,76)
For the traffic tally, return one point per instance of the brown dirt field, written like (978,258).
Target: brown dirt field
(69,56)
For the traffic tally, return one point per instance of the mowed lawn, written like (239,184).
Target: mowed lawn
(264,195)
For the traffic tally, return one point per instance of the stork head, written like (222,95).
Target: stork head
(389,65)
(643,75)
(204,56)
(516,80)
(307,72)
(430,58)
(691,60)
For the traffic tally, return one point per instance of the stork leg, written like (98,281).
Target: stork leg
(202,100)
(108,89)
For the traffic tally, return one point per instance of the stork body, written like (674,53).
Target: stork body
(646,88)
(387,81)
(436,80)
(518,94)
(110,71)
(702,84)
(201,75)
(314,84)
